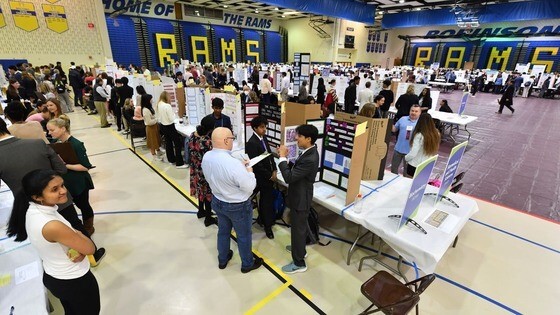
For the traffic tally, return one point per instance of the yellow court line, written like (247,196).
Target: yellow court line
(274,267)
(267,299)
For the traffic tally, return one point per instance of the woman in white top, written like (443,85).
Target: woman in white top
(424,143)
(173,141)
(153,140)
(61,248)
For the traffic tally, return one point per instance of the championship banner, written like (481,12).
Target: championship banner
(25,16)
(53,1)
(55,17)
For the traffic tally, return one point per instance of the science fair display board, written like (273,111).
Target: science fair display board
(343,162)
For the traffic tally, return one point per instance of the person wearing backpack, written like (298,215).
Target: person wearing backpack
(300,178)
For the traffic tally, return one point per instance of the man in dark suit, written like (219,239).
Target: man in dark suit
(350,95)
(124,91)
(21,156)
(300,178)
(507,98)
(265,173)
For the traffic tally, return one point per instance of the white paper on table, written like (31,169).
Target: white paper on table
(26,272)
(447,225)
(257,159)
(323,192)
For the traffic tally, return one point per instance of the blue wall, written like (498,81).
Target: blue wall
(124,44)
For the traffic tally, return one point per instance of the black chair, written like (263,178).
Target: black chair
(456,188)
(391,296)
(458,178)
(137,130)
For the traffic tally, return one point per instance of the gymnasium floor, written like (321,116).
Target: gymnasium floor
(161,259)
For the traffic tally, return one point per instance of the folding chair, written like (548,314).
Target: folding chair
(137,130)
(391,296)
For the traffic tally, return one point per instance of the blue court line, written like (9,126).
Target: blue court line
(478,294)
(146,211)
(15,248)
(517,236)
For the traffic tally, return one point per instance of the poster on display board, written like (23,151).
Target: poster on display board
(453,162)
(251,111)
(522,67)
(232,108)
(273,115)
(169,86)
(538,69)
(196,102)
(419,184)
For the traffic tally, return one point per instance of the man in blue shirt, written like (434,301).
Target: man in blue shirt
(232,183)
(404,126)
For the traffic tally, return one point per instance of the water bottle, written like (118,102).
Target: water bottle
(358,203)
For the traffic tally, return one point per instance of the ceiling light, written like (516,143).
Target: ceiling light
(401,1)
(276,9)
(283,16)
(256,11)
(290,12)
(225,5)
(418,9)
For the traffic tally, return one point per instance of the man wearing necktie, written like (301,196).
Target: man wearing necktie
(300,178)
(265,173)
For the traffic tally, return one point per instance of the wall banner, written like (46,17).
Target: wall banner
(25,16)
(52,1)
(2,20)
(55,17)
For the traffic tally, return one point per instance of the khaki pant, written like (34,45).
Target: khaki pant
(100,106)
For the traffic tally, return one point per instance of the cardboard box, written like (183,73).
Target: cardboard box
(378,131)
(295,114)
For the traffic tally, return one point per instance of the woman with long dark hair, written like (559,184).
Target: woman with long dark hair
(200,143)
(321,91)
(77,179)
(152,131)
(425,100)
(61,248)
(424,143)
(13,91)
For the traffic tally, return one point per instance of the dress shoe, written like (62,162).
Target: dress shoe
(106,126)
(257,262)
(229,256)
(209,221)
(269,233)
(200,214)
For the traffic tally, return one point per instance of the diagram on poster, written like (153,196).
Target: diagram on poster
(338,143)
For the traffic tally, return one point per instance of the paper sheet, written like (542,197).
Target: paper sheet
(26,272)
(257,159)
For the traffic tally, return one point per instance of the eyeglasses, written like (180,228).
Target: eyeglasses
(230,138)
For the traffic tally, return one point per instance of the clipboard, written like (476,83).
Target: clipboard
(66,152)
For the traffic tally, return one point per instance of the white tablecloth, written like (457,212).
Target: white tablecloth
(387,197)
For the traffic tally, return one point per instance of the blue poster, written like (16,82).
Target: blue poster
(419,183)
(463,103)
(451,169)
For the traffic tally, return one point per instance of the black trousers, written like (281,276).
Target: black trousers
(298,220)
(506,105)
(70,214)
(205,207)
(77,97)
(118,116)
(78,296)
(82,202)
(173,144)
(266,210)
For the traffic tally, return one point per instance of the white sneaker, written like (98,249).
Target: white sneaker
(182,166)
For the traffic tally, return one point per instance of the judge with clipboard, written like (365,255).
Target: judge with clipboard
(77,180)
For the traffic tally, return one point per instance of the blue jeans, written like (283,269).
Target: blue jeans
(240,217)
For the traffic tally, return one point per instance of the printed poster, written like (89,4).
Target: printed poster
(451,169)
(55,18)
(419,183)
(25,16)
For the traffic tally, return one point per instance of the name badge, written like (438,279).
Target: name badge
(408,132)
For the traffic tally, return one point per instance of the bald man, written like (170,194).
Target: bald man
(232,183)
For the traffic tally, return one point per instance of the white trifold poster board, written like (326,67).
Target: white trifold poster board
(232,108)
(434,94)
(197,101)
(169,86)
